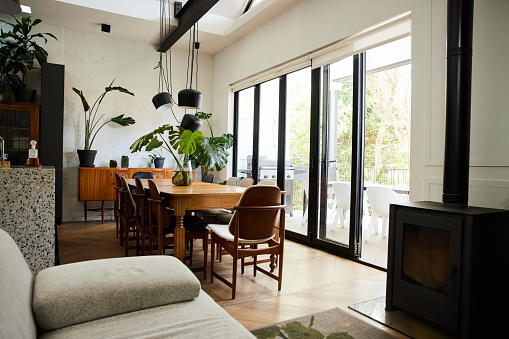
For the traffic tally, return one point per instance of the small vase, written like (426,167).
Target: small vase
(182,178)
(124,161)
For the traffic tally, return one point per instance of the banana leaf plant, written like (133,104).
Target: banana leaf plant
(93,122)
(179,142)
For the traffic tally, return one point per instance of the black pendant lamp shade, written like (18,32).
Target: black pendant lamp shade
(162,101)
(190,98)
(190,122)
(10,7)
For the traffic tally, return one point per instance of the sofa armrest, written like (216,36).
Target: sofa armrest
(75,293)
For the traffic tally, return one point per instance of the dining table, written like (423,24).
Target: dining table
(197,196)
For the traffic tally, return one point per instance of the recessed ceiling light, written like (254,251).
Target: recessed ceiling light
(26,9)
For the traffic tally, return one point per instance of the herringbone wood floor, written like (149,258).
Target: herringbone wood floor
(313,280)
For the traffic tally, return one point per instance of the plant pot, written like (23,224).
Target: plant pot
(86,157)
(159,162)
(25,94)
(182,178)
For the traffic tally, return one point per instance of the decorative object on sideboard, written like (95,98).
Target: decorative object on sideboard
(18,50)
(93,125)
(33,155)
(113,163)
(124,162)
(156,158)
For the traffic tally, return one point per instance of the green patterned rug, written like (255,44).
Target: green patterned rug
(331,324)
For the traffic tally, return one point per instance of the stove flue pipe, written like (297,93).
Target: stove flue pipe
(460,14)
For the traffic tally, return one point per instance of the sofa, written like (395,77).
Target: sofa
(134,297)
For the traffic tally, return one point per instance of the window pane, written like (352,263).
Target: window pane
(245,134)
(269,118)
(298,105)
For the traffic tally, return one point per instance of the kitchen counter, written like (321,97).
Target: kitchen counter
(27,212)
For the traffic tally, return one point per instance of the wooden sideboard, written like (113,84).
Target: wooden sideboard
(98,183)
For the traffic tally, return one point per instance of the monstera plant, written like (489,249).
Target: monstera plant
(179,142)
(188,148)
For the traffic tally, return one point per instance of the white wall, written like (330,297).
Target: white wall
(91,62)
(309,25)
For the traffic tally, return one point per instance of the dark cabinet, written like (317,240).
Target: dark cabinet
(19,123)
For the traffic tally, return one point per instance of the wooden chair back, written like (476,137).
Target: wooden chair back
(258,213)
(128,198)
(155,198)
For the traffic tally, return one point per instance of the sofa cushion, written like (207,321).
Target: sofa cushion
(16,282)
(198,318)
(75,293)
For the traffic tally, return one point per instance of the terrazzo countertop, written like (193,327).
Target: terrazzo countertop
(27,212)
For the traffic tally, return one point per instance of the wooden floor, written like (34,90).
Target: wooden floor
(313,280)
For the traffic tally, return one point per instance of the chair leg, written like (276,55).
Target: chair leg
(212,261)
(205,254)
(234,277)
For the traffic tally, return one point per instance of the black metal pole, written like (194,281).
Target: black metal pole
(458,98)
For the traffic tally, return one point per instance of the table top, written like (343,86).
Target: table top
(166,187)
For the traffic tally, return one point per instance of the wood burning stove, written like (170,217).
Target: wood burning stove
(447,261)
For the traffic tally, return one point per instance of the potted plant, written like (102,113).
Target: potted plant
(93,123)
(156,159)
(179,142)
(18,50)
(212,152)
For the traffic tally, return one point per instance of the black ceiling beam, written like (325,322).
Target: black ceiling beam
(192,11)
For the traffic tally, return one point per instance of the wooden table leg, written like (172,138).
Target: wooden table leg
(179,232)
(85,210)
(102,211)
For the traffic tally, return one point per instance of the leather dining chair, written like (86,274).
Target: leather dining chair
(208,178)
(116,209)
(259,219)
(160,230)
(127,217)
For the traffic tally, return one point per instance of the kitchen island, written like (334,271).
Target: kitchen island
(27,212)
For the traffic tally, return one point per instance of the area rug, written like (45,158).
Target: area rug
(332,324)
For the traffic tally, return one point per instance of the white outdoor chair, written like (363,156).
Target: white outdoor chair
(342,198)
(380,198)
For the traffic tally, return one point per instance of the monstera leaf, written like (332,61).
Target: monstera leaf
(212,152)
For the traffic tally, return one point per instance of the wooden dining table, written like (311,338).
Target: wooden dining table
(197,196)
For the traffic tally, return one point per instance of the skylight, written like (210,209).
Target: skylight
(251,4)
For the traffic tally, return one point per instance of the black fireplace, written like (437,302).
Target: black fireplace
(447,261)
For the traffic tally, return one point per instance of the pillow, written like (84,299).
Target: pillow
(75,293)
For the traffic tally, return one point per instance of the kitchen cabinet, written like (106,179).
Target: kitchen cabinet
(19,123)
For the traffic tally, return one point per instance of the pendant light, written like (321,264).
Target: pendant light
(189,97)
(163,100)
(10,7)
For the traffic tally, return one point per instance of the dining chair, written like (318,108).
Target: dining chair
(208,178)
(127,217)
(160,230)
(116,209)
(246,182)
(141,217)
(267,182)
(212,215)
(258,219)
(142,175)
(380,198)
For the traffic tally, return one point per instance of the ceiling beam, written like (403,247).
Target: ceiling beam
(192,11)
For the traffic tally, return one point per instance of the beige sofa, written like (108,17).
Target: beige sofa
(149,297)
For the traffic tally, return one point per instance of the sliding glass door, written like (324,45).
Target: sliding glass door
(325,135)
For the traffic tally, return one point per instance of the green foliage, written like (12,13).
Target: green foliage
(18,50)
(92,121)
(179,142)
